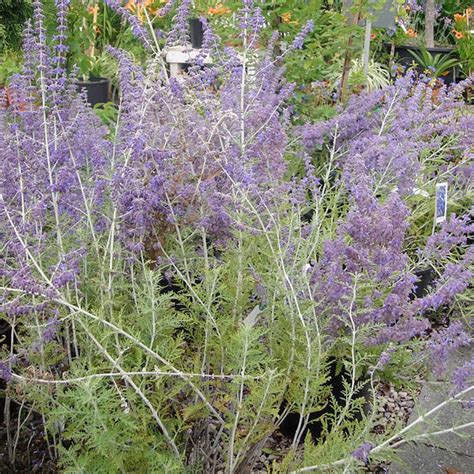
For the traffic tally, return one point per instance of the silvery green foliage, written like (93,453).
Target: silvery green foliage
(133,257)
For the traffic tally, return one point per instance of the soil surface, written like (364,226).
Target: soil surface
(32,453)
(31,449)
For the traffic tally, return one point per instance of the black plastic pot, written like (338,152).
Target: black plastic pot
(426,279)
(336,386)
(97,90)
(470,236)
(404,58)
(5,337)
(196,32)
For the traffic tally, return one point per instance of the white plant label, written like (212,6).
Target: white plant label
(441,206)
(251,319)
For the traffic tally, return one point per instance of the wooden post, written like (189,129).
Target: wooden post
(365,58)
(347,60)
(430,11)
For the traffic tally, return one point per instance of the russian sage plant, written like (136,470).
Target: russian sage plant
(178,283)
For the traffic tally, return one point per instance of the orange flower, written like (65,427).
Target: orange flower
(139,9)
(131,5)
(286,18)
(93,10)
(219,9)
(458,17)
(468,12)
(411,33)
(458,34)
(373,36)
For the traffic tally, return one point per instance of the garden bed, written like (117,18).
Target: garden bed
(207,276)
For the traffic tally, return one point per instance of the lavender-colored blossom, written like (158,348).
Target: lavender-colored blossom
(136,26)
(379,157)
(167,8)
(179,34)
(363,451)
(251,20)
(443,343)
(302,35)
(463,375)
(51,329)
(453,232)
(5,372)
(416,127)
(414,5)
(385,358)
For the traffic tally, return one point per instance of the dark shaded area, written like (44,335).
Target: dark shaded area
(13,15)
(31,454)
(426,279)
(196,32)
(315,426)
(97,90)
(406,59)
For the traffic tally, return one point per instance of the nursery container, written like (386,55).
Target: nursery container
(468,95)
(3,97)
(196,31)
(426,278)
(290,423)
(404,57)
(8,100)
(97,90)
(5,338)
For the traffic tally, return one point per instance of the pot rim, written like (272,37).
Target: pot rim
(99,80)
(436,49)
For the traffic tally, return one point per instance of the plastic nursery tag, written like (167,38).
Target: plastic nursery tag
(251,319)
(441,208)
(421,192)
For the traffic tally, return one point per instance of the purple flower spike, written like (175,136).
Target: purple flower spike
(363,451)
(5,372)
(302,35)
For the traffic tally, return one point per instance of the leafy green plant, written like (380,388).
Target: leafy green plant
(10,63)
(105,434)
(412,21)
(92,27)
(377,76)
(464,37)
(175,291)
(435,65)
(13,15)
(324,48)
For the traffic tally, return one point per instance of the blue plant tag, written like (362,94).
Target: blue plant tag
(441,202)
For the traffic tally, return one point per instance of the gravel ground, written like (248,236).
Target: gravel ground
(395,406)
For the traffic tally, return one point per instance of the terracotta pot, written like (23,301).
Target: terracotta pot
(8,100)
(3,97)
(435,92)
